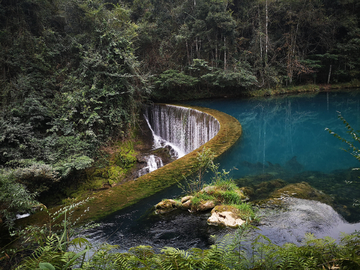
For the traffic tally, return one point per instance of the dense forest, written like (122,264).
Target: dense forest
(75,73)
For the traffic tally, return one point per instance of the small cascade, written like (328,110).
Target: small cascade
(182,129)
(174,151)
(153,163)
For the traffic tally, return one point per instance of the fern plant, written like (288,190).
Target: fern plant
(353,149)
(51,245)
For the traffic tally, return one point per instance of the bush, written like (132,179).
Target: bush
(14,198)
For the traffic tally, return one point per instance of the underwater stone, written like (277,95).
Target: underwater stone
(302,191)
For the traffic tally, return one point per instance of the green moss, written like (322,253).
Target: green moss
(226,193)
(243,210)
(195,201)
(303,190)
(301,89)
(121,161)
(231,197)
(125,155)
(116,173)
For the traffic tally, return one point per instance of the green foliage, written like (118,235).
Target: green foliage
(175,80)
(204,163)
(353,149)
(14,198)
(69,82)
(37,177)
(241,77)
(246,211)
(50,245)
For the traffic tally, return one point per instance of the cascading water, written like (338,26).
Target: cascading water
(153,163)
(182,129)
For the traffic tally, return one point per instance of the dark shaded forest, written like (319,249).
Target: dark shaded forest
(75,73)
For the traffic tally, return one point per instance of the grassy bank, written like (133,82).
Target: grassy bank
(301,89)
(108,201)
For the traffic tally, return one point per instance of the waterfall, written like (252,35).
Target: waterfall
(183,129)
(153,163)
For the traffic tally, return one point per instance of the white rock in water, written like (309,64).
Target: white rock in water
(226,218)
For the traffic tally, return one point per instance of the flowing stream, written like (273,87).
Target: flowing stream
(283,138)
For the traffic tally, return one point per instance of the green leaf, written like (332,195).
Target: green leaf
(46,266)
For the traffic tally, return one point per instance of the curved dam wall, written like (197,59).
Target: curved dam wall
(184,129)
(108,201)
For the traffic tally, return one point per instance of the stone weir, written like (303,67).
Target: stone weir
(109,201)
(179,128)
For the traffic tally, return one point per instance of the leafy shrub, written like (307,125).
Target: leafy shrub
(14,198)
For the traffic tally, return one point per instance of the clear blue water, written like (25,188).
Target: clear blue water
(277,129)
(283,137)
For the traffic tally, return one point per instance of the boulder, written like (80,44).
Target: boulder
(166,206)
(225,218)
(186,198)
(302,191)
(186,202)
(206,205)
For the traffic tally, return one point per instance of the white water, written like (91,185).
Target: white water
(153,163)
(302,216)
(183,129)
(159,142)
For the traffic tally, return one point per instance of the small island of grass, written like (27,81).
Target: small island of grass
(222,196)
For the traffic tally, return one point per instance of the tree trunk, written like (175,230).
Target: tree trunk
(329,75)
(225,62)
(187,52)
(216,55)
(266,29)
(260,37)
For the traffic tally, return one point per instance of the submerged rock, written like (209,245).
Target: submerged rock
(294,165)
(302,191)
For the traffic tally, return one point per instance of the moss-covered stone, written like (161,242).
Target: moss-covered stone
(302,191)
(298,190)
(166,206)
